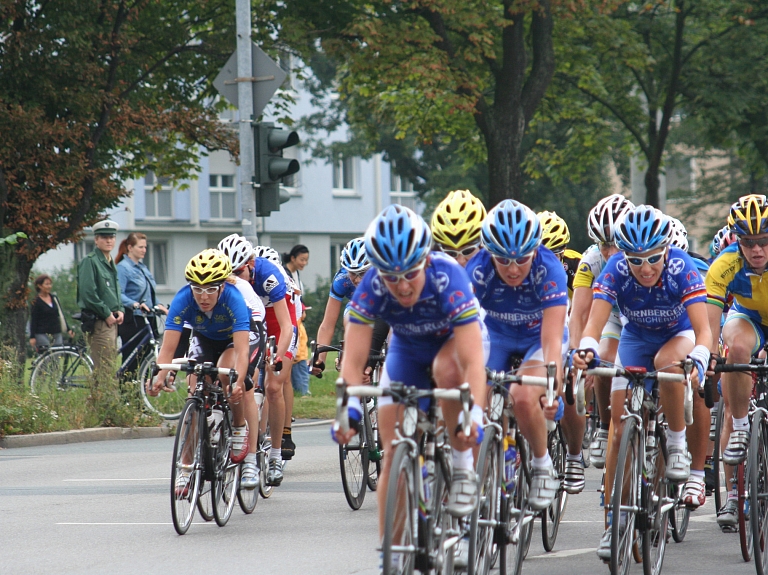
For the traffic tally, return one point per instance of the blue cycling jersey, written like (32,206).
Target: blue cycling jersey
(342,287)
(445,301)
(230,314)
(267,280)
(660,307)
(517,312)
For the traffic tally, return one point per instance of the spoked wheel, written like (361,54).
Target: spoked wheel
(62,370)
(187,463)
(375,448)
(167,404)
(721,485)
(679,517)
(656,501)
(204,501)
(624,499)
(514,510)
(481,530)
(265,444)
(353,461)
(758,490)
(551,516)
(225,476)
(745,531)
(400,541)
(440,554)
(247,498)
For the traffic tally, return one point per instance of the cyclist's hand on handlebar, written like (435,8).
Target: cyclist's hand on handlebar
(367,375)
(318,368)
(354,417)
(238,390)
(584,358)
(714,359)
(550,411)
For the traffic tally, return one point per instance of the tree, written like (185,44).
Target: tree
(91,94)
(647,64)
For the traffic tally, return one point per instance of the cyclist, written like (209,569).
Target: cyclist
(663,299)
(555,236)
(221,324)
(601,227)
(269,283)
(240,251)
(523,289)
(738,271)
(456,225)
(427,299)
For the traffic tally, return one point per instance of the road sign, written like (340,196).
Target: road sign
(266,76)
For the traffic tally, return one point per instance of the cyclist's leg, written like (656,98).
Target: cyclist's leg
(609,344)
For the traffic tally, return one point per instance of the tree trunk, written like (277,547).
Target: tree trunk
(13,309)
(504,143)
(652,184)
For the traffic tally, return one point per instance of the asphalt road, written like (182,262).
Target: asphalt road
(103,508)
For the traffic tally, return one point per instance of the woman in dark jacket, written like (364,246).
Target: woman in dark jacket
(46,316)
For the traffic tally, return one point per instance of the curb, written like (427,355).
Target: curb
(85,435)
(312,423)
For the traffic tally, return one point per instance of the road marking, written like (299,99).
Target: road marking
(123,479)
(709,517)
(564,553)
(580,521)
(136,523)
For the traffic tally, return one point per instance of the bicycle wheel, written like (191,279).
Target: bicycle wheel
(187,463)
(481,530)
(624,499)
(514,513)
(678,521)
(745,531)
(399,545)
(265,444)
(225,476)
(353,462)
(61,369)
(758,490)
(375,450)
(721,485)
(204,501)
(434,529)
(167,404)
(247,498)
(656,501)
(551,516)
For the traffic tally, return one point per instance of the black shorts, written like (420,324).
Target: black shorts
(204,349)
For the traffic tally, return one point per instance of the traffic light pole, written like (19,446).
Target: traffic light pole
(245,173)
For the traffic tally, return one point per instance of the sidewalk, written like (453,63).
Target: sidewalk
(108,434)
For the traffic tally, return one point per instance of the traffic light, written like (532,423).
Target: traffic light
(271,167)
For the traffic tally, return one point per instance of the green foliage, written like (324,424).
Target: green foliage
(317,300)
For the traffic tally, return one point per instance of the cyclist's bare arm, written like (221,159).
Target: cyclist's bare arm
(357,346)
(580,308)
(598,317)
(240,340)
(552,326)
(714,314)
(170,342)
(697,314)
(325,331)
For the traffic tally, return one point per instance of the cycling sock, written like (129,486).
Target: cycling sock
(676,438)
(570,457)
(741,424)
(286,431)
(541,462)
(462,459)
(275,453)
(605,426)
(252,458)
(697,475)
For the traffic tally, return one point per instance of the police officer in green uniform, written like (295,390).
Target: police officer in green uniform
(98,293)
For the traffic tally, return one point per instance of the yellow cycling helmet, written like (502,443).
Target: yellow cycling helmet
(749,215)
(208,267)
(458,219)
(554,231)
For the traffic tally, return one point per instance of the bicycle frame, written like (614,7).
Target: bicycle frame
(147,336)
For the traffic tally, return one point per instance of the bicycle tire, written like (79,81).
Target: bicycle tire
(61,369)
(189,438)
(353,464)
(167,405)
(511,555)
(247,498)
(758,490)
(481,531)
(745,533)
(435,529)
(622,544)
(552,515)
(376,451)
(654,531)
(721,484)
(225,475)
(680,519)
(204,501)
(265,444)
(400,533)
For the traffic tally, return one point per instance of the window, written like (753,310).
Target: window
(401,189)
(159,203)
(156,260)
(82,249)
(344,174)
(286,63)
(223,197)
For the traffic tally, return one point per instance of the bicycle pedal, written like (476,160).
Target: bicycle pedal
(729,528)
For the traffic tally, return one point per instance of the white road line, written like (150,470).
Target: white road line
(563,553)
(136,523)
(580,521)
(122,479)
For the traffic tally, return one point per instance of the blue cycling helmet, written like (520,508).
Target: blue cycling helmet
(511,230)
(353,257)
(642,229)
(397,240)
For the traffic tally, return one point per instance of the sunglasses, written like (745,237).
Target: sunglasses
(748,243)
(408,276)
(466,252)
(200,290)
(637,261)
(519,262)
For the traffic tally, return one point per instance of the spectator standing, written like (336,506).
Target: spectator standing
(137,292)
(47,322)
(98,294)
(293,262)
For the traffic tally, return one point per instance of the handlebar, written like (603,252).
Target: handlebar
(191,366)
(635,373)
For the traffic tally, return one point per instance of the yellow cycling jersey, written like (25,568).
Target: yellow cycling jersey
(589,268)
(571,259)
(729,275)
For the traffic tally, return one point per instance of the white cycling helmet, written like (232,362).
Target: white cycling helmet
(238,249)
(603,218)
(269,254)
(679,234)
(353,257)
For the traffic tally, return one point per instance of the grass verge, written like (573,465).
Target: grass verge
(322,403)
